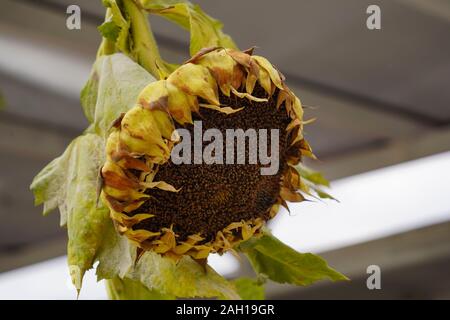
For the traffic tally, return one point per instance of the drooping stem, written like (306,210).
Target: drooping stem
(144,47)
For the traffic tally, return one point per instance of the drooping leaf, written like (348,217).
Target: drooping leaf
(323,194)
(283,264)
(70,183)
(205,31)
(47,186)
(116,254)
(89,93)
(249,289)
(312,182)
(185,278)
(127,289)
(313,176)
(112,89)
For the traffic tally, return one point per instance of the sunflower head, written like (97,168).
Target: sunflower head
(200,208)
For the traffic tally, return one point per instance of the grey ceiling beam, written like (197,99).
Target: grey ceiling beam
(437,8)
(365,101)
(390,153)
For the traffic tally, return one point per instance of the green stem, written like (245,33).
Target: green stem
(144,45)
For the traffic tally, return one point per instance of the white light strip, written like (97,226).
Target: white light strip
(48,280)
(372,205)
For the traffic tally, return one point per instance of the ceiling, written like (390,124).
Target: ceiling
(380,97)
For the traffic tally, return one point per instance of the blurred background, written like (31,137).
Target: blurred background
(381,97)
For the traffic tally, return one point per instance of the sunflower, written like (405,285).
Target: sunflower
(146,220)
(198,209)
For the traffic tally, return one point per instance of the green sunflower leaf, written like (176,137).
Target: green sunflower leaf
(282,264)
(250,289)
(113,87)
(70,183)
(312,182)
(89,93)
(116,255)
(323,194)
(185,278)
(127,289)
(312,176)
(205,31)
